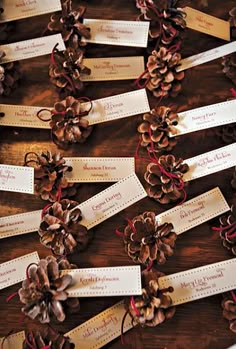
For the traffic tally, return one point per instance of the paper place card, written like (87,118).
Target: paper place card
(112,281)
(211,162)
(202,282)
(124,33)
(13,341)
(205,117)
(111,201)
(19,179)
(18,9)
(101,329)
(19,224)
(113,68)
(14,271)
(31,48)
(206,56)
(99,169)
(195,212)
(207,24)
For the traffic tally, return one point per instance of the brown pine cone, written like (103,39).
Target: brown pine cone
(66,70)
(47,339)
(60,228)
(154,305)
(9,76)
(229,311)
(163,79)
(68,123)
(233,181)
(156,127)
(44,295)
(162,187)
(146,241)
(49,176)
(229,66)
(228,232)
(227,132)
(69,24)
(232,21)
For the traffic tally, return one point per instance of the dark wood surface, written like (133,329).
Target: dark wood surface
(196,325)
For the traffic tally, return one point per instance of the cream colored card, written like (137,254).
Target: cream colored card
(105,282)
(202,282)
(13,341)
(196,211)
(31,48)
(211,162)
(114,68)
(206,56)
(99,169)
(19,224)
(14,271)
(111,32)
(19,179)
(207,24)
(205,117)
(101,329)
(18,9)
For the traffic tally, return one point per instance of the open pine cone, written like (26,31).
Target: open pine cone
(229,311)
(156,128)
(227,132)
(60,228)
(229,66)
(146,241)
(232,21)
(233,181)
(47,339)
(228,232)
(9,76)
(69,24)
(44,295)
(163,188)
(154,305)
(163,79)
(68,123)
(49,176)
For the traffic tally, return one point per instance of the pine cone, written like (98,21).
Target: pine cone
(228,232)
(163,188)
(229,311)
(163,79)
(60,228)
(232,21)
(229,66)
(47,339)
(66,70)
(49,176)
(227,132)
(146,241)
(233,181)
(69,24)
(156,127)
(44,295)
(68,125)
(154,305)
(9,76)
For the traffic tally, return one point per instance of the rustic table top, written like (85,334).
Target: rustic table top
(196,325)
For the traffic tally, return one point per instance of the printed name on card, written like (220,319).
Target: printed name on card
(11,179)
(195,212)
(13,341)
(111,32)
(112,281)
(15,9)
(14,271)
(31,48)
(207,24)
(211,162)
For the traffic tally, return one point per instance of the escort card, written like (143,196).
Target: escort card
(31,48)
(11,179)
(101,329)
(99,169)
(207,24)
(211,162)
(206,56)
(202,282)
(18,9)
(112,281)
(19,224)
(205,117)
(113,68)
(110,32)
(13,341)
(13,271)
(196,211)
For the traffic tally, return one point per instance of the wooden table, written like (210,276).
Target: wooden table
(196,325)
